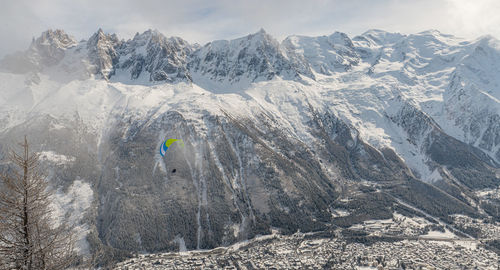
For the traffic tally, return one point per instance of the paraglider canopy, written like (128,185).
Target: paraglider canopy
(164,146)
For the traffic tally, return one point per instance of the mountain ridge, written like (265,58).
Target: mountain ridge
(277,134)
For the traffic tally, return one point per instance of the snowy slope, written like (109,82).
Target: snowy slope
(275,133)
(439,73)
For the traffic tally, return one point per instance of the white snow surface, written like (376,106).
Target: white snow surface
(55,158)
(448,78)
(73,204)
(437,234)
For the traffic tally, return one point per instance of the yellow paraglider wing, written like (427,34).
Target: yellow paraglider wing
(171,141)
(164,147)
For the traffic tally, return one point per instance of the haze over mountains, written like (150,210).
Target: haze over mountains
(306,134)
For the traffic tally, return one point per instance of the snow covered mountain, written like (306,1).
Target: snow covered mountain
(278,136)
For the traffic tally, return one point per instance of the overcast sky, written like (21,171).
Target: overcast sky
(204,20)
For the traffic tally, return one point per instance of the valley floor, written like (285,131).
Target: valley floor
(322,251)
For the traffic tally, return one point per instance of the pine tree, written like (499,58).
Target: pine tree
(30,237)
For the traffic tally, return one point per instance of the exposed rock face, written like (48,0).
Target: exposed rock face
(45,51)
(164,58)
(254,57)
(102,53)
(51,45)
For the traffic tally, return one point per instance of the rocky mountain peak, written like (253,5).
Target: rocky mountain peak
(379,37)
(100,38)
(261,35)
(165,59)
(45,51)
(148,35)
(259,40)
(325,54)
(102,53)
(339,38)
(55,39)
(254,57)
(48,49)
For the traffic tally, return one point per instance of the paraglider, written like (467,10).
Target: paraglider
(165,145)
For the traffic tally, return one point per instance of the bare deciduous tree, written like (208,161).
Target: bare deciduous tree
(30,236)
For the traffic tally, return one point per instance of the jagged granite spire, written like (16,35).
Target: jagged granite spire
(46,50)
(102,52)
(165,59)
(254,57)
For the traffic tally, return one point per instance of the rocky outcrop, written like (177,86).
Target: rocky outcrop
(45,51)
(164,59)
(254,57)
(102,53)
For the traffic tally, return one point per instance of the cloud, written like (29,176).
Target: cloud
(473,18)
(202,21)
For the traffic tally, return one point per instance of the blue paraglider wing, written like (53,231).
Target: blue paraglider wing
(165,145)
